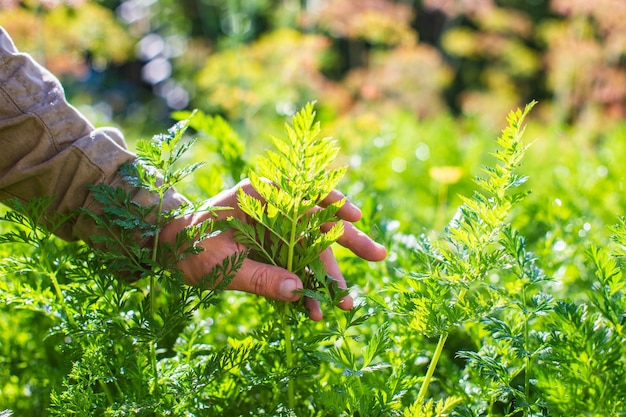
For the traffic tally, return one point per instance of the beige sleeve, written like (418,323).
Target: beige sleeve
(47,148)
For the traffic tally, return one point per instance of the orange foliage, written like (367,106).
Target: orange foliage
(411,77)
(61,32)
(376,21)
(584,58)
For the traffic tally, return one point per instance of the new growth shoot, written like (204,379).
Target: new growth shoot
(292,181)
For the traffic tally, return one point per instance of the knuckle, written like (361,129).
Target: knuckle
(259,281)
(246,185)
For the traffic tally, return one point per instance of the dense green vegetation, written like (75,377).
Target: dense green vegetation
(501,296)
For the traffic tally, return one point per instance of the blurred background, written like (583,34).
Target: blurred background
(132,62)
(414,91)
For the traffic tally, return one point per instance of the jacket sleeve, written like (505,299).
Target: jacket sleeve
(47,148)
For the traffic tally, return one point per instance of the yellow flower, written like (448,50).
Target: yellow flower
(446,174)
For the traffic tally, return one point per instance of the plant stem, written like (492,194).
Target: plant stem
(431,368)
(291,400)
(46,265)
(153,359)
(286,312)
(59,293)
(152,312)
(527,358)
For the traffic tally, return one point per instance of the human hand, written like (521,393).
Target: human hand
(260,278)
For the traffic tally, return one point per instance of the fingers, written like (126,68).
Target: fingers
(332,268)
(278,283)
(266,280)
(315,311)
(359,243)
(354,239)
(348,211)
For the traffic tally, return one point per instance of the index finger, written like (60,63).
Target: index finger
(358,242)
(361,244)
(348,211)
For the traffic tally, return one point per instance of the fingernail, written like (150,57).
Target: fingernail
(287,287)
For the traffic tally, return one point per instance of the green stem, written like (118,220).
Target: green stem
(46,265)
(155,243)
(527,376)
(152,311)
(527,358)
(291,399)
(59,293)
(106,391)
(286,326)
(292,238)
(105,386)
(153,358)
(431,368)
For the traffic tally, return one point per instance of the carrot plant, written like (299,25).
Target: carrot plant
(460,322)
(292,181)
(448,286)
(115,333)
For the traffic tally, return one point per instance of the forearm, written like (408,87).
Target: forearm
(49,149)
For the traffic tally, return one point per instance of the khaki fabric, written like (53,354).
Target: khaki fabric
(47,148)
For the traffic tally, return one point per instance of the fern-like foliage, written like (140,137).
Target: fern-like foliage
(445,288)
(584,371)
(292,181)
(115,329)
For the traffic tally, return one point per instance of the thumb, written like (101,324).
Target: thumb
(266,280)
